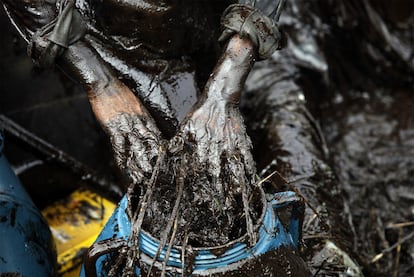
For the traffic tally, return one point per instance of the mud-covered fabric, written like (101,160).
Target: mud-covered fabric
(49,42)
(250,23)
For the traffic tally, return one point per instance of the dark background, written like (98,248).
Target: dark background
(54,108)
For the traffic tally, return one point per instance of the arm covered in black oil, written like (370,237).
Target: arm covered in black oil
(219,169)
(54,30)
(133,133)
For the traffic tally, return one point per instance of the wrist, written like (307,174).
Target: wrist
(251,24)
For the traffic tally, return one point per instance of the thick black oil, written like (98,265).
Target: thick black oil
(335,121)
(283,262)
(332,114)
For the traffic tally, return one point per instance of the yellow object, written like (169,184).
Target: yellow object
(76,222)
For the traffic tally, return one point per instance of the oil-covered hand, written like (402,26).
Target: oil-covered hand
(133,133)
(51,26)
(219,169)
(136,145)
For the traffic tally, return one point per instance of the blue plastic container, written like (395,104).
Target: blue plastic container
(272,235)
(26,244)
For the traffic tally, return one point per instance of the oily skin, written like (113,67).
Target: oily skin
(111,100)
(215,127)
(122,115)
(213,152)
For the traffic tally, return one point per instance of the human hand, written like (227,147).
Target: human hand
(136,144)
(134,136)
(219,167)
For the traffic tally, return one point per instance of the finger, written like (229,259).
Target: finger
(118,147)
(145,140)
(139,155)
(124,157)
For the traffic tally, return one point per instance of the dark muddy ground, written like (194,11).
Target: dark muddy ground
(356,81)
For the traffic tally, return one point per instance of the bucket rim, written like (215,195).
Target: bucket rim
(241,239)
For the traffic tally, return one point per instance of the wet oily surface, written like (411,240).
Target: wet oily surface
(332,113)
(335,119)
(380,192)
(163,50)
(282,262)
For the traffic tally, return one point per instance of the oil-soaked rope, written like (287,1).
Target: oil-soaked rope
(137,217)
(171,221)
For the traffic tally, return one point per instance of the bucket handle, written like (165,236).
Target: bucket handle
(290,198)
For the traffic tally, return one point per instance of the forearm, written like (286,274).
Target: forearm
(134,136)
(108,96)
(230,73)
(251,36)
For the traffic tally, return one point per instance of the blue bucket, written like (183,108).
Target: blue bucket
(26,244)
(272,235)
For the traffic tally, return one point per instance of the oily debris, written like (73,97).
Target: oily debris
(348,63)
(201,189)
(282,262)
(218,172)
